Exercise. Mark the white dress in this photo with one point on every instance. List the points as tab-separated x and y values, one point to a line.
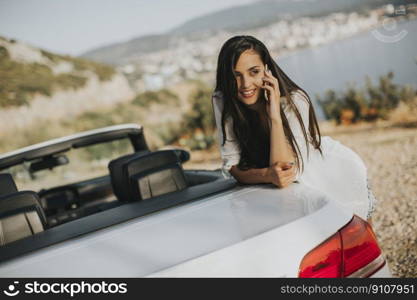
340	172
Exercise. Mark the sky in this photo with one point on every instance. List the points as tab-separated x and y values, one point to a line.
75	26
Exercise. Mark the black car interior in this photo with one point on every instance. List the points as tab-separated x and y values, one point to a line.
7	184
21	214
140	176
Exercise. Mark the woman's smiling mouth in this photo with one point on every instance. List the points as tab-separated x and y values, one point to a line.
248	93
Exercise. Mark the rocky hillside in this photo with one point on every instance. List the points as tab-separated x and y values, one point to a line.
38	85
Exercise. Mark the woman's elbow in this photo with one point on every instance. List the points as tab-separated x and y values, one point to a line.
238	175
234	171
250	176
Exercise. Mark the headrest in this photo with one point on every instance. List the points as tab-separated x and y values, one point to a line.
145	175
7	184
117	179
21	202
21	216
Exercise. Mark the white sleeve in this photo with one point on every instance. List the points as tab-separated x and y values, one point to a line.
230	151
303	108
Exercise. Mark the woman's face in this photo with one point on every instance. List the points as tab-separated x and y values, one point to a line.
249	72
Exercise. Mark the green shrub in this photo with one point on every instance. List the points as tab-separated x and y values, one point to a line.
70	81
199	121
163	96
19	81
104	72
198	141
90	120
367	104
201	114
169	132
52	57
196	129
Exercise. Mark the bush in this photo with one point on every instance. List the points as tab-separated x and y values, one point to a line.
201	114
169	132
196	129
163	96
70	81
367	104
199	121
104	72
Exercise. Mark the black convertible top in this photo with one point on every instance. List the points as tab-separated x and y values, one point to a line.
132	131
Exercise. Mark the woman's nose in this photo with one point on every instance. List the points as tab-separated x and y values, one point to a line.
246	82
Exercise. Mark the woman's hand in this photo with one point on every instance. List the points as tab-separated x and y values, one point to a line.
271	85
281	174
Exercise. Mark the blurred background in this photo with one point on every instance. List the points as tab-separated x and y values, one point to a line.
69	66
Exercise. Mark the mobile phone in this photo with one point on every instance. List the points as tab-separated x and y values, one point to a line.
266	92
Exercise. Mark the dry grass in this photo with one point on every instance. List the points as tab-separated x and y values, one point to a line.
404	113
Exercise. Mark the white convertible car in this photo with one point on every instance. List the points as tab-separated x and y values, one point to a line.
145	215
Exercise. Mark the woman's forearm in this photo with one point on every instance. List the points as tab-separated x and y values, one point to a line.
280	149
251	176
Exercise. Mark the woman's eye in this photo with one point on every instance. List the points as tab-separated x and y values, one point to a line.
254	72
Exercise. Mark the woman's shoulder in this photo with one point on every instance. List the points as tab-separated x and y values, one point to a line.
298	95
299	98
218	104
217	99
217	95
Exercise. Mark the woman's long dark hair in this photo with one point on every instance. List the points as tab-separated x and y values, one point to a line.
253	140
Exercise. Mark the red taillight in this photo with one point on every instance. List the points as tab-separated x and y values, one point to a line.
352	249
324	260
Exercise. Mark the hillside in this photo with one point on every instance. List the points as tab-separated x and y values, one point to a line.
36	85
244	17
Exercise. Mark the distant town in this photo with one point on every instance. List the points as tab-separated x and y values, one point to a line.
196	59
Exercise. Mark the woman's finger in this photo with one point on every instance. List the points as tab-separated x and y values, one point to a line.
271	81
269	88
284	177
272	77
290	171
283	172
289	176
287	182
278	181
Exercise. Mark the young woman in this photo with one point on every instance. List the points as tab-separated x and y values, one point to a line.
268	132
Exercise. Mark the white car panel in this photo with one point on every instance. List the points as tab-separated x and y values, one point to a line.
250	231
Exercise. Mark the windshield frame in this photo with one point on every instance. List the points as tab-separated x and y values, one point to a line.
87	138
